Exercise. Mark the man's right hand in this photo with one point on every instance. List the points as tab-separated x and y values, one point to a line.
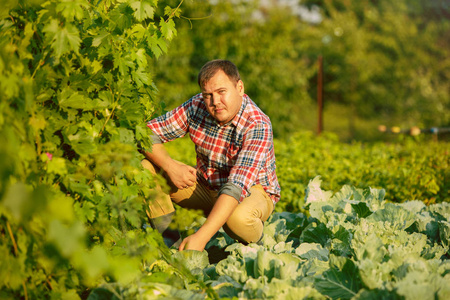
182	175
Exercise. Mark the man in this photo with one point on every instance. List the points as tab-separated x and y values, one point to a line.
234	182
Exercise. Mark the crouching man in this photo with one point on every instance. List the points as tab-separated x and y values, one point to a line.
234	181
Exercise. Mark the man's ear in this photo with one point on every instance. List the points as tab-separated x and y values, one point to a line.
240	87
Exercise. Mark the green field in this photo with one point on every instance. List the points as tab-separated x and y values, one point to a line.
407	169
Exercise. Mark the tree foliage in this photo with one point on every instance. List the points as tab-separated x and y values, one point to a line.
76	88
384	62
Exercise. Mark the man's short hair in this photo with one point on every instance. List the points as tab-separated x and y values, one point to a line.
211	68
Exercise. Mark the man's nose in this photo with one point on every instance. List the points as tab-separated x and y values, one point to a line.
214	99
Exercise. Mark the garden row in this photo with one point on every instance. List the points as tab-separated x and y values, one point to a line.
406	170
354	245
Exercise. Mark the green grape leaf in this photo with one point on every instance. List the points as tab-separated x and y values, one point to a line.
82	142
123	63
143	9
98	39
72	99
68	238
57	165
71	9
155	46
168	29
64	39
122	17
88	210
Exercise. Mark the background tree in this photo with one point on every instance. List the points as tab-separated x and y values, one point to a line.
384	63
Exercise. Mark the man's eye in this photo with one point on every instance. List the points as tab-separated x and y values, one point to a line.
222	91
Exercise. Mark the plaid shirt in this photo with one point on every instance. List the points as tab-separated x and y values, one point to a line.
238	154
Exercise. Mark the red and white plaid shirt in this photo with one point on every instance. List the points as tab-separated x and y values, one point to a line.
237	155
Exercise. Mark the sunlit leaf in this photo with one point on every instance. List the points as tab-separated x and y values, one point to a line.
168	29
64	39
192	259
314	193
143	9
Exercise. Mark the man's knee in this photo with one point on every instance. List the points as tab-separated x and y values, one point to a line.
146	164
244	226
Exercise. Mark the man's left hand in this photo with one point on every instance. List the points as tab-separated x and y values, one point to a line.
222	210
193	242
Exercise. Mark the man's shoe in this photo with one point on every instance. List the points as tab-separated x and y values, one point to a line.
171	237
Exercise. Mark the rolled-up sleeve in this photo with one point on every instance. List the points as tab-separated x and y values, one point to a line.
172	125
256	145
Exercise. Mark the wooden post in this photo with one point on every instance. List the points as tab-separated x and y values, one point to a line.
319	96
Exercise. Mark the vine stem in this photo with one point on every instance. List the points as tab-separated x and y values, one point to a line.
16	250
199	18
174	11
16	253
47	279
25	290
106	122
41	61
112	111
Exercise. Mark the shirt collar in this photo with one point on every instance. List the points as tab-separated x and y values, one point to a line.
238	116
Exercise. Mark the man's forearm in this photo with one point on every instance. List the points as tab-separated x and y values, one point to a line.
222	210
159	157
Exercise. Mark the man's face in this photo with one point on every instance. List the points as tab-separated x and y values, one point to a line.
223	98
